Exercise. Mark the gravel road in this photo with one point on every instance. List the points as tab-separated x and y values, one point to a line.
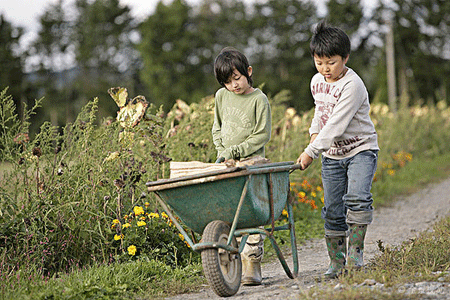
392	225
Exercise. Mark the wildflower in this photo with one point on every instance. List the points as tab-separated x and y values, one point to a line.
313	194
181	236
146	204
391	172
301	194
164	215
154	215
141	223
138	210
112	156
284	213
126	225
319	188
115	221
142	218
132	250
118	237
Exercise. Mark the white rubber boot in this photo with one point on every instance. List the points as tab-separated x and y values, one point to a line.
251	257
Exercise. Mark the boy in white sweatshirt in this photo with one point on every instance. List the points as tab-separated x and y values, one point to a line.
344	134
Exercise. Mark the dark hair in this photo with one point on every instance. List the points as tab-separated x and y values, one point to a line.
228	60
329	41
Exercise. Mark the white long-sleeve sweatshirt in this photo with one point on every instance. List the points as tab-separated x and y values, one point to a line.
341	118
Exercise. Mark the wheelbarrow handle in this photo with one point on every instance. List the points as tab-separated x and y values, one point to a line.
295	167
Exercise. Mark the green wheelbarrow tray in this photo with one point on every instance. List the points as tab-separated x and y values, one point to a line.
202	198
245	198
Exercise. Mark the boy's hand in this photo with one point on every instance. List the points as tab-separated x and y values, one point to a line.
304	160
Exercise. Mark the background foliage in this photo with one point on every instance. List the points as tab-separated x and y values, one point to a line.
169	54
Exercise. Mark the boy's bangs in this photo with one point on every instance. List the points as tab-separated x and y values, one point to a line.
224	72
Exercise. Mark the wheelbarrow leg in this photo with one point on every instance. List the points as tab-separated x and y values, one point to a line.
293	237
291	227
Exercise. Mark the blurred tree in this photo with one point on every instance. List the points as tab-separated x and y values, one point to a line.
81	56
422	41
280	41
105	35
54	61
363	28
172	55
11	61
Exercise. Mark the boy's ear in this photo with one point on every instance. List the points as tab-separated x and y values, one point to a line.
346	59
250	71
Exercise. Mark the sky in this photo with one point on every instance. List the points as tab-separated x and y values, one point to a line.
25	13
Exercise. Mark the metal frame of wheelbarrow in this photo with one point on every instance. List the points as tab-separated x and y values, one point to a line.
244	233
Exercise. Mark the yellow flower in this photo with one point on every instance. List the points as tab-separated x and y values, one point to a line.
391	172
126	225
164	215
313	194
154	215
147	204
284	213
115	221
319	188
141	223
132	250
142	218
118	237
302	194
181	236
138	210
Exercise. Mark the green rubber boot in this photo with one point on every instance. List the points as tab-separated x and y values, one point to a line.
337	249
357	234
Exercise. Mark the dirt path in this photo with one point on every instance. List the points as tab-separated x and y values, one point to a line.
392	225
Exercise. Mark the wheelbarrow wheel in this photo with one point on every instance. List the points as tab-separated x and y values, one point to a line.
222	269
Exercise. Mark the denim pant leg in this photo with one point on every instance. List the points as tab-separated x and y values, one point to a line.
347	184
358	199
334	180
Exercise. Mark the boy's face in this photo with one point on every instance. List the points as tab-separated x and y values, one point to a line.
238	83
332	68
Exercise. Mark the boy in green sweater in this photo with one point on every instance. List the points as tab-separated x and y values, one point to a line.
242	126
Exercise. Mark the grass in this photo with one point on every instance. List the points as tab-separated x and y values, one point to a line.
414	176
424	258
133	280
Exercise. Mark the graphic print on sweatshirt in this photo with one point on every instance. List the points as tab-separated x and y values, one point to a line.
235	123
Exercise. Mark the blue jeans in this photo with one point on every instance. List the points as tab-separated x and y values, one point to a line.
346	185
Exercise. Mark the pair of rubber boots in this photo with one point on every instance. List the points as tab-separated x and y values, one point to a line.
337	250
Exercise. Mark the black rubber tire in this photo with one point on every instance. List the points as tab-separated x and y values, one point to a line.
222	269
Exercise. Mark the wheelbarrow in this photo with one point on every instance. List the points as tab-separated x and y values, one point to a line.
224	205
